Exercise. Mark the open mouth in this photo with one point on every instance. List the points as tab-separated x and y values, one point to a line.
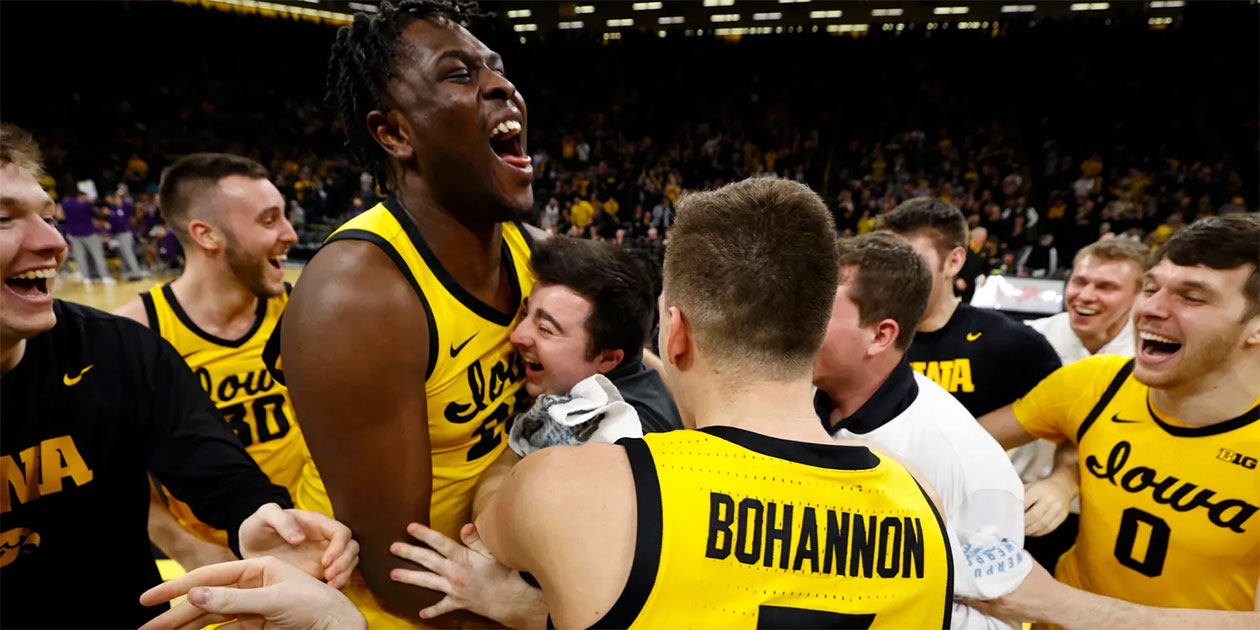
1157	347
1085	312
277	261
532	368
33	284
505	141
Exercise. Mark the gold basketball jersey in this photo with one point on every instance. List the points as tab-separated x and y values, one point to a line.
1168	511
252	403
475	382
740	530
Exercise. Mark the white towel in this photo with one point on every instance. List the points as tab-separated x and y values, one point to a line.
592	411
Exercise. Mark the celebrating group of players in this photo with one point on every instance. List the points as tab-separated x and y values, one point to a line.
811	453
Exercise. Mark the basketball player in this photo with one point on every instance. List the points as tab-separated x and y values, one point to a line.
395	342
1168	440
755	513
985	359
90	402
868	392
1106	276
218	315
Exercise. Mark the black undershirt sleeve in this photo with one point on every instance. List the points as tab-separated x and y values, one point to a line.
193	452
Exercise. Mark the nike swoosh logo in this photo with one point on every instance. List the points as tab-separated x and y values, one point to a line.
973	336
1116	418
456	349
75	381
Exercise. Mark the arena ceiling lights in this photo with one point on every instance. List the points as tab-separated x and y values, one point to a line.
1090	6
1018	8
647	6
617	23
767	17
1167	4
719	3
951	10
833	14
886	12
569	26
724	17
584	8
670	19
517	14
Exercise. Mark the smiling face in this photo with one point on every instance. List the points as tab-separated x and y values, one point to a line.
1100	295
31	250
554	341
458	122
1189	321
257	234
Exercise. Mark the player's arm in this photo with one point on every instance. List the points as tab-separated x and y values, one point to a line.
176	542
492	480
165	531
1002	425
1042	599
191	450
557	506
355	355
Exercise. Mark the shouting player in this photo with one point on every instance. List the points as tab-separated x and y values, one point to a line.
1168	440
218	315
395	345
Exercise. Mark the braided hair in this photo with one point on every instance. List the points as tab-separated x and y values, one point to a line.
362	62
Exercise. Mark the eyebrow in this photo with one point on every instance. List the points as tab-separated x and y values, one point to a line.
14	201
541	314
493	59
1183	284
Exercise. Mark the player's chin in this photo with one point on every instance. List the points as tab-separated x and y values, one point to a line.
26	322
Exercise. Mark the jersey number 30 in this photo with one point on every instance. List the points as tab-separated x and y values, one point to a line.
243	421
1152	562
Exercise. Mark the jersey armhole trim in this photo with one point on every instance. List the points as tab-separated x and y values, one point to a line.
647	544
526	236
949	557
1112	388
150	311
388	248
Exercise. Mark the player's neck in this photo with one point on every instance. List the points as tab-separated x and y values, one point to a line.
849	394
781	409
1213	397
468	248
11	355
1095	342
215	300
939	311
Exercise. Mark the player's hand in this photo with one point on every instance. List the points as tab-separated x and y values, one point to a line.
260	593
1027	601
312	542
1046	504
470	576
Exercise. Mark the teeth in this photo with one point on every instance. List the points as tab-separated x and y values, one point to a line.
1153	337
36	274
1086	311
281	257
506	127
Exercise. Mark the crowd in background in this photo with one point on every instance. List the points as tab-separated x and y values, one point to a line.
1117	131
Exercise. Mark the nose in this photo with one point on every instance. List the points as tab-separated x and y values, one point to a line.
497	87
519	337
288	235
1154	306
44	240
1087	292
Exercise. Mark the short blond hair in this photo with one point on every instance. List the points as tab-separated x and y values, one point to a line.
19	148
1116	250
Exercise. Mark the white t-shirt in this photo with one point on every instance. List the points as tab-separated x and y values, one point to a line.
983	498
1035	460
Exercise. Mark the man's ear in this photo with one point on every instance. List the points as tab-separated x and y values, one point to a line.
205	235
678	349
886	333
392	132
608	360
954	262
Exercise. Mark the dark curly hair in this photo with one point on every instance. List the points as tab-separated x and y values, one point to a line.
362	62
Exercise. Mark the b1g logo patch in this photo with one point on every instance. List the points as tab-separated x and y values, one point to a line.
1233	457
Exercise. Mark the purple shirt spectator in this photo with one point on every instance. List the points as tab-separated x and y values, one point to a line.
168	246
120	218
79	214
